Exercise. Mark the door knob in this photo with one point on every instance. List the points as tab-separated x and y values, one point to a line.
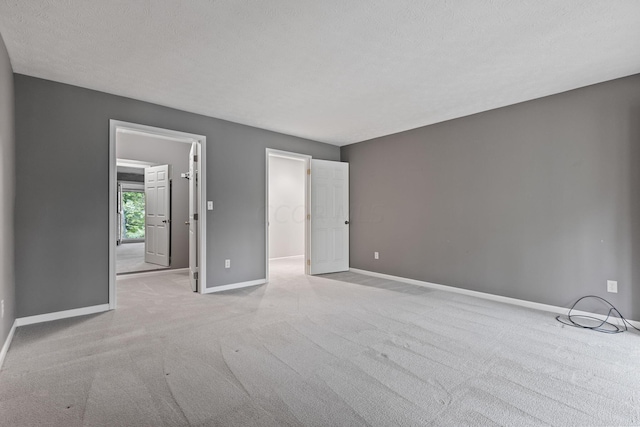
166	221
346	222
187	223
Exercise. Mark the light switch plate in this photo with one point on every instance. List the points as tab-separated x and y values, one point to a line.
209	205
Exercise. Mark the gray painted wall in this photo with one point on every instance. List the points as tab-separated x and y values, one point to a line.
162	151
7	187
62	252
286	207
538	201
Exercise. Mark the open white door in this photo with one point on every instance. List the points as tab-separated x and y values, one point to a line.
329	217
193	217
157	214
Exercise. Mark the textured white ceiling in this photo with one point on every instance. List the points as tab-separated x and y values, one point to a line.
338	71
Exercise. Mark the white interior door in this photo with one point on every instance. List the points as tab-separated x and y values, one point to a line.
193	216
157	214
329	217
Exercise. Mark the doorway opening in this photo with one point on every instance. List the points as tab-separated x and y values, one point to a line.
157	190
325	214
287	216
131	201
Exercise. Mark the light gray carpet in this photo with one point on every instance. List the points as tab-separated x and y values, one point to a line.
130	259
343	349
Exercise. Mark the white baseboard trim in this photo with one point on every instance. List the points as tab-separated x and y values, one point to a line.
7	343
492	297
151	273
235	286
48	317
285	257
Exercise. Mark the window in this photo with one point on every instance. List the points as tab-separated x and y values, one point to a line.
133	215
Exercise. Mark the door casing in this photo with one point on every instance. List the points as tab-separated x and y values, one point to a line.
193	215
125	187
201	140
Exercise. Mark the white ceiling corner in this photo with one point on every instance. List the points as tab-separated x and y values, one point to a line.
334	71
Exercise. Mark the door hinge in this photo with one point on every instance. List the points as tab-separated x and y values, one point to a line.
195	158
195	216
308	262
195	275
308	171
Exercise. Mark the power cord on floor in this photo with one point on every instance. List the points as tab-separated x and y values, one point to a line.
603	326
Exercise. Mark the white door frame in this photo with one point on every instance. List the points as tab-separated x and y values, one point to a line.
114	126
270	152
135	164
194	198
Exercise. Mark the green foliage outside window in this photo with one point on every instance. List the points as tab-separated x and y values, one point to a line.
133	210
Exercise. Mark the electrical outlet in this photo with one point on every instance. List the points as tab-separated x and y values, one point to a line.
612	286
227	263
376	255
2	309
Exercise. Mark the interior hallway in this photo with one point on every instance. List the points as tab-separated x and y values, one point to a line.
342	349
